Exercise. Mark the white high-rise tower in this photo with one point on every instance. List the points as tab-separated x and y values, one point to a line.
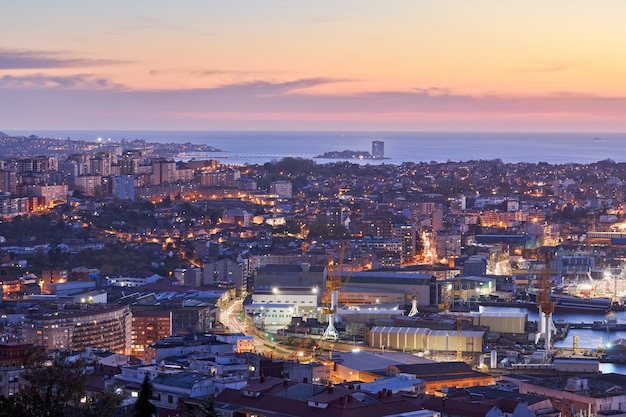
378	149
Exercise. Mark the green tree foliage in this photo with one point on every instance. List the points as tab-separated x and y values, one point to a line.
143	406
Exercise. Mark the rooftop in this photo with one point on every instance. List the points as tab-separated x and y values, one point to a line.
593	385
373	361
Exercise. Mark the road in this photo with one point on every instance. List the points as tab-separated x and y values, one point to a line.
229	317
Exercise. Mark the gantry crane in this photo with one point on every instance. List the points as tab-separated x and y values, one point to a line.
333	285
545	302
456	287
413	311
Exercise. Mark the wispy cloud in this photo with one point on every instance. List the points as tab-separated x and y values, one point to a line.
200	72
434	91
233	76
90	100
76	81
545	67
262	87
11	59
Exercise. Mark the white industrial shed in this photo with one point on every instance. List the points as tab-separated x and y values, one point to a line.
422	339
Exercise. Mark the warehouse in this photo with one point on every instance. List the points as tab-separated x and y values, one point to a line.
399	338
422	339
447	341
501	322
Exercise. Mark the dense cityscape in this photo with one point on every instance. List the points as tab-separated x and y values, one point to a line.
292	286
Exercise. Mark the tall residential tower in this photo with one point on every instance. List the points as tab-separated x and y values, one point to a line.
378	149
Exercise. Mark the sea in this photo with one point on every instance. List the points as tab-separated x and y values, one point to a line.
258	147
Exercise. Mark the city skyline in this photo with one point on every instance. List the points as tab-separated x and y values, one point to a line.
374	65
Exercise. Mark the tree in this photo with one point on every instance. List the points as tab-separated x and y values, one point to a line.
143	407
53	390
104	404
13	407
205	409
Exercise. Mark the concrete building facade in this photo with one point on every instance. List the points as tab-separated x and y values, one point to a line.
81	327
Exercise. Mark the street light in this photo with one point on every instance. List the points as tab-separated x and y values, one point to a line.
275	291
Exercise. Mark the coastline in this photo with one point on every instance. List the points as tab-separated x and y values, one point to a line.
400	147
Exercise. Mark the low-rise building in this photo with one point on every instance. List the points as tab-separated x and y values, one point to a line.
289	398
366	366
439	376
196	343
13	357
583	396
170	384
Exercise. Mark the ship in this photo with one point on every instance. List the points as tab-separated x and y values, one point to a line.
610	325
570	303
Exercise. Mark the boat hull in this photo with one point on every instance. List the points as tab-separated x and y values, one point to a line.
568	303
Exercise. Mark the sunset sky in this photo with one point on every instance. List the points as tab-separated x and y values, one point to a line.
479	65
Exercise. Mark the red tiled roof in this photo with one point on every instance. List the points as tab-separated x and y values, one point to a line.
457	407
340	403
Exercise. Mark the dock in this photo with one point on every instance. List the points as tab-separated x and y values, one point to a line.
609	326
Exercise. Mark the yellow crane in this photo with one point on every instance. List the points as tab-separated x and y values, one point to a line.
459	338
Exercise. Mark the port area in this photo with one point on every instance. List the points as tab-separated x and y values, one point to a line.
562	328
533	306
607	325
569	353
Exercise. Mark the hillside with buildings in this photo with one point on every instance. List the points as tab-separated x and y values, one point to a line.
142	259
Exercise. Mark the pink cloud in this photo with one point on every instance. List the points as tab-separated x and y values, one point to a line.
90	101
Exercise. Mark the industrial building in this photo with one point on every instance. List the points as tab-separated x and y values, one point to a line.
305	301
303	275
440	376
421	339
421	286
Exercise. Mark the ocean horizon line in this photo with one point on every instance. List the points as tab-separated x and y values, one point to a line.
253	146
